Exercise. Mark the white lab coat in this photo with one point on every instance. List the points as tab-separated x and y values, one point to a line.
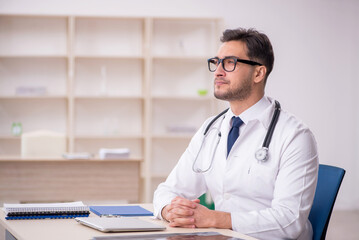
269	200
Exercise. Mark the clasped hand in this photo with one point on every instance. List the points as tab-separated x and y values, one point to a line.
187	213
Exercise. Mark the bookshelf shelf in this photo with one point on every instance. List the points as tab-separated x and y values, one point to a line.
185	136
108	56
108	97
182	98
8	137
95	159
17	97
34	56
115	137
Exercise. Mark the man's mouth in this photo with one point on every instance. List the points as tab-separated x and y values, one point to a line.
219	82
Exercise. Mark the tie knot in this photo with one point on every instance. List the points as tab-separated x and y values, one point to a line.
237	122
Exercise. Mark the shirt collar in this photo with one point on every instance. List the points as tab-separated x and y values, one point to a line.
261	111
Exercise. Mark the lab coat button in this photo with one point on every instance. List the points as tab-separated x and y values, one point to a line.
227	196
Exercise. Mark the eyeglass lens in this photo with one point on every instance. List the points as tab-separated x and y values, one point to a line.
228	64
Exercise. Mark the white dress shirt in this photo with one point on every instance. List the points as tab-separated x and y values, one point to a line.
267	200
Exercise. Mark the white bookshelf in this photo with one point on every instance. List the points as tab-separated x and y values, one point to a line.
109	82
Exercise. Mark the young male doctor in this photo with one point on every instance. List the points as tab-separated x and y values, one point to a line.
265	194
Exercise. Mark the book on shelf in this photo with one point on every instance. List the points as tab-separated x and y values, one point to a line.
45	210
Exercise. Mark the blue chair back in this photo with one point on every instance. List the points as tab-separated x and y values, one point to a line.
329	181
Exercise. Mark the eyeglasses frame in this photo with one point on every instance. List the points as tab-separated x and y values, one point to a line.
249	62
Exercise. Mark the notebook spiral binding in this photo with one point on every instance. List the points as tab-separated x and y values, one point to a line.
41	212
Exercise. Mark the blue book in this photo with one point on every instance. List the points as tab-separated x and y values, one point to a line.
125	211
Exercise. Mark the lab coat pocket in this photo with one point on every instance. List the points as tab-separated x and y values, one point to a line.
261	180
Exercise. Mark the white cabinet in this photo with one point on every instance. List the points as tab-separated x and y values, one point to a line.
113	82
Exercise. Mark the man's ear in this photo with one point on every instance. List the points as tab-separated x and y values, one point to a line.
260	74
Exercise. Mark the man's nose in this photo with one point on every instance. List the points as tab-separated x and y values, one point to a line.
220	70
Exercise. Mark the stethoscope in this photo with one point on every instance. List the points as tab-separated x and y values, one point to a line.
261	154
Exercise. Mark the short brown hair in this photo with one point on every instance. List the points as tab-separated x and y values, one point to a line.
259	48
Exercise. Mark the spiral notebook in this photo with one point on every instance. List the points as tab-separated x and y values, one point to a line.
45	210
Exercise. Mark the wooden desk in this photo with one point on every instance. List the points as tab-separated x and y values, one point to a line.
56	180
60	229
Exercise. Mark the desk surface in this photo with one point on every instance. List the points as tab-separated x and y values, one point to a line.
59	229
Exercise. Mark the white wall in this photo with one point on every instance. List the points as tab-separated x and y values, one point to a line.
316	68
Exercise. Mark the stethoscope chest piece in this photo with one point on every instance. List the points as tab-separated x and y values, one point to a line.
262	154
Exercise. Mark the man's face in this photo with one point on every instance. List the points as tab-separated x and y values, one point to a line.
236	85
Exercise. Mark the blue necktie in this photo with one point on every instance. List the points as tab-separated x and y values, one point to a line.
233	133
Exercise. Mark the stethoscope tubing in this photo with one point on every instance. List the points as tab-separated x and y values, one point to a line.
198	170
272	125
214	120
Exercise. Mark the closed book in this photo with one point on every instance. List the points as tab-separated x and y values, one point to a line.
125	211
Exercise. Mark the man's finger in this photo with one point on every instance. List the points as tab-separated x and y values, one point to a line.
182	211
183	202
181	222
182	226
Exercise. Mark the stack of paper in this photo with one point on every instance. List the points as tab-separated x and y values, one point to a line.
83	155
114	153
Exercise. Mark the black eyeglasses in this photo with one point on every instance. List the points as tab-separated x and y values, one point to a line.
228	63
